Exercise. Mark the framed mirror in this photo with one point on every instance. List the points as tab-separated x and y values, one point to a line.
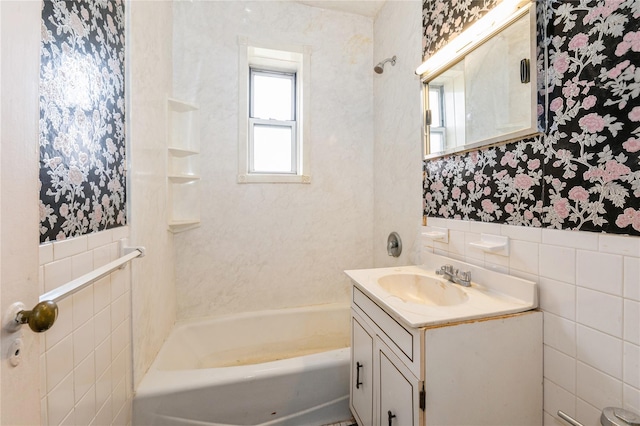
485	91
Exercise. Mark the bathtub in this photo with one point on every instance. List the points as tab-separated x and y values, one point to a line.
281	367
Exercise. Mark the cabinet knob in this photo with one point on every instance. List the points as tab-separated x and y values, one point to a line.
391	417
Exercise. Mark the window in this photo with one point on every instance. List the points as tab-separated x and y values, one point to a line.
273	128
437	131
272	122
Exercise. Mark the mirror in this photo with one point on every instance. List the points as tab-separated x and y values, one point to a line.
485	93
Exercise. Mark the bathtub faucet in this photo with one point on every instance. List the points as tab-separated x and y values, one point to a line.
455	276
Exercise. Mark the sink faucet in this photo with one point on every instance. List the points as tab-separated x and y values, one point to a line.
455	276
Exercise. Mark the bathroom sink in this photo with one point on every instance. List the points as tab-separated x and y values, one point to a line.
422	289
418	297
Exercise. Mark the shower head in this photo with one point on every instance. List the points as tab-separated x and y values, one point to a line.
380	67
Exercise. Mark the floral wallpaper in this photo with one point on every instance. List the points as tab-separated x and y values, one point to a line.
443	20
583	173
82	128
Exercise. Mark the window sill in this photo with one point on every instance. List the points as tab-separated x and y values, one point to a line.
273	178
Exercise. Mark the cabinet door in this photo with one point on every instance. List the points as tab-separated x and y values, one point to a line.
399	392
361	373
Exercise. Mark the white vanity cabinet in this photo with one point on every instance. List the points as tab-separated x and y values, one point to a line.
474	372
361	370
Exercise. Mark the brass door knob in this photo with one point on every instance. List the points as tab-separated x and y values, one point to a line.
41	317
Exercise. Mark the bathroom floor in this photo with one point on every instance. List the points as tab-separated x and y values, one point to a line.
350	422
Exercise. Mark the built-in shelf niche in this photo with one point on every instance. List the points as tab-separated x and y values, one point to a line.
183	165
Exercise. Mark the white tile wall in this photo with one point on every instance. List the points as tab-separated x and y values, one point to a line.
85	363
590	295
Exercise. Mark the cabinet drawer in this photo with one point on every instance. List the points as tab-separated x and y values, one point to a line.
397	335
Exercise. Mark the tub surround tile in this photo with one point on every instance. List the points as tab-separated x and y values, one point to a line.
600	311
632	278
557	398
57	273
46	253
70	247
632	321
589	294
59	364
523	256
77	355
558	263
558	298
64	324
587	413
485	228
560	334
105	414
600	271
101	256
82	302
85	409
83	343
523	233
98	239
631	398
600	351
60	401
84	378
573	239
249	251
560	369
120	233
101	293
619	244
597	388
632	365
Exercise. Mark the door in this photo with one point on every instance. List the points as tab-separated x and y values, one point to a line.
399	391
19	217
361	373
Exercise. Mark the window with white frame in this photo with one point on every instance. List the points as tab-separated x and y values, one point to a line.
437	131
272	122
273	146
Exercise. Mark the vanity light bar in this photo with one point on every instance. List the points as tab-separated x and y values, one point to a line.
484	28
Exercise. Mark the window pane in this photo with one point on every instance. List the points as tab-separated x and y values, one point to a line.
436	140
273	96
435	105
272	149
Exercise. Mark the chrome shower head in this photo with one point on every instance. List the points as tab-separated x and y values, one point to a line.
380	67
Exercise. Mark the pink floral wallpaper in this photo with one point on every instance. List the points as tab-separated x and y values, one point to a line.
583	173
82	128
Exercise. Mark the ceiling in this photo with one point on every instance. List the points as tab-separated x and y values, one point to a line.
368	8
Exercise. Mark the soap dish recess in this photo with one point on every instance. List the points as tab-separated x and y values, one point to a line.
436	233
494	244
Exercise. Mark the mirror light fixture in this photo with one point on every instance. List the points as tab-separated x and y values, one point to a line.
484	28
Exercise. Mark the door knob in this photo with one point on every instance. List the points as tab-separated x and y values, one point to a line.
40	318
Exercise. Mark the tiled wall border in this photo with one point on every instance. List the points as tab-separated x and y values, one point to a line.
590	295
85	359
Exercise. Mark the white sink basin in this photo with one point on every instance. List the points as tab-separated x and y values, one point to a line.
422	289
418	297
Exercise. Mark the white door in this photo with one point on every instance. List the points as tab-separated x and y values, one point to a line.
19	217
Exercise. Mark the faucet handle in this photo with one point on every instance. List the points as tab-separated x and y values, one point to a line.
447	268
464	275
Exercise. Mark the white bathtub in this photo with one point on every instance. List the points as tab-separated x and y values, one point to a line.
283	367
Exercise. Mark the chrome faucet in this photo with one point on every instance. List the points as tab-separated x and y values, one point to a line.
455	276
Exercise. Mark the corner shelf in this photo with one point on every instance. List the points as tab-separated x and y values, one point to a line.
183	165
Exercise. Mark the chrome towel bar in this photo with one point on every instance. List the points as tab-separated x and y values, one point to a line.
568	419
79	283
44	314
